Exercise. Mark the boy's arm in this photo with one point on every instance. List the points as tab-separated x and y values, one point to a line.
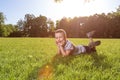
63	52
58	52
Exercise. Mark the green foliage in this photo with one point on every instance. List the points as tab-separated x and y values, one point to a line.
34	26
2	18
106	26
36	59
6	30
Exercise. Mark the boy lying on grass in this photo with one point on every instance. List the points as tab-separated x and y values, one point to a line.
66	47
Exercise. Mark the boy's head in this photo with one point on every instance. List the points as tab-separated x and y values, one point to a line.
60	36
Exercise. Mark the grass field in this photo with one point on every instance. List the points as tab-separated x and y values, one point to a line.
34	59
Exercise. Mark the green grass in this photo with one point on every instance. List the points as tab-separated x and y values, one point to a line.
35	59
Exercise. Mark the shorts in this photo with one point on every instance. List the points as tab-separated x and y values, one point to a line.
79	49
83	49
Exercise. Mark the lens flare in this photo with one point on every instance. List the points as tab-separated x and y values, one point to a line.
45	72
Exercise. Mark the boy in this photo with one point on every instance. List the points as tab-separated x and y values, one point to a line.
65	47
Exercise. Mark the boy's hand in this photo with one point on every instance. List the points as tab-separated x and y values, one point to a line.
60	43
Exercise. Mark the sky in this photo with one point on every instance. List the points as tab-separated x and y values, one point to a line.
15	10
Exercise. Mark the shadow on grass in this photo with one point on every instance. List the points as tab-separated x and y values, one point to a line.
100	60
45	72
34	74
41	73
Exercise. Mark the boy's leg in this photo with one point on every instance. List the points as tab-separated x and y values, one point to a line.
89	50
92	44
90	34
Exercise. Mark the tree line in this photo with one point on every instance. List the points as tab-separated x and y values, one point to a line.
105	26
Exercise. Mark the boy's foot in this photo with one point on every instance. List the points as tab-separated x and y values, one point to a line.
93	44
90	34
97	43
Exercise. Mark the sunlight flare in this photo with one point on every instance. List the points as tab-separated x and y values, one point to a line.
76	8
45	72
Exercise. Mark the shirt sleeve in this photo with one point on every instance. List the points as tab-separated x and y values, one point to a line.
69	46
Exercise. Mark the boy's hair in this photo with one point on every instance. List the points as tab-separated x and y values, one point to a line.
61	31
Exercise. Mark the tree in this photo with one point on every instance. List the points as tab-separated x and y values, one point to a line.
51	28
63	24
20	25
1	23
35	26
39	27
1	30
2	18
6	30
27	23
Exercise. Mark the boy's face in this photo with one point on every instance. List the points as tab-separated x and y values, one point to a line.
60	38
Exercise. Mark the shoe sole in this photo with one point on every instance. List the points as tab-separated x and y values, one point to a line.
97	43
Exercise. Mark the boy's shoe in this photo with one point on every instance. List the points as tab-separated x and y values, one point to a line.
90	34
94	44
97	43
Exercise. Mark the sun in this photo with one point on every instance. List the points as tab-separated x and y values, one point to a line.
76	8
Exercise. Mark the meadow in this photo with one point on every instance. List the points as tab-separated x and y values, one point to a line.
36	59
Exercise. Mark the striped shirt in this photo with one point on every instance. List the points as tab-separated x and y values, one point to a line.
76	49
